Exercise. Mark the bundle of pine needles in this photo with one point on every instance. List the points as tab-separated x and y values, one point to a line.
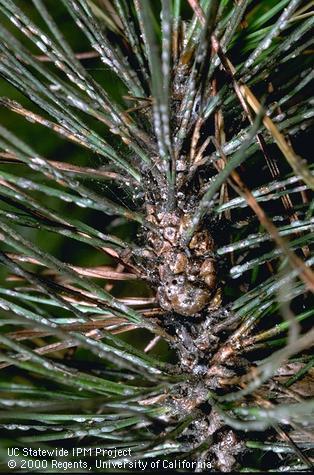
157	278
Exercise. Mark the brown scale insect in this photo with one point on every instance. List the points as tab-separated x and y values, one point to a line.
187	277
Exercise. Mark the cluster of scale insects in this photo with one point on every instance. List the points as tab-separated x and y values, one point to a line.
186	281
188	290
